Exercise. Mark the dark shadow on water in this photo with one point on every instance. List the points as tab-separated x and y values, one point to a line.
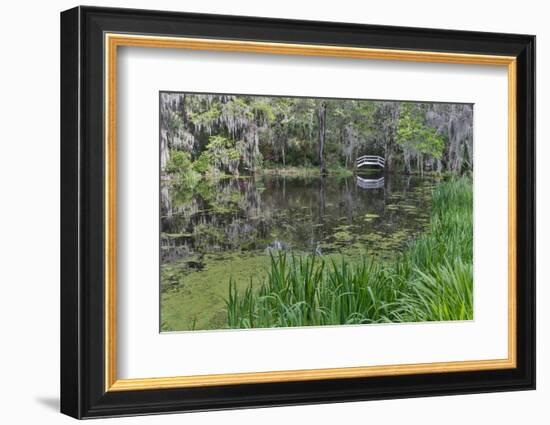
49	402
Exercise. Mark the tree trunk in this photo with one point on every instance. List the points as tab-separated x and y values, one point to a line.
322	131
388	156
439	166
407	161
164	150
390	127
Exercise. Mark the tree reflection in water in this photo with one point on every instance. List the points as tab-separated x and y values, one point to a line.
318	214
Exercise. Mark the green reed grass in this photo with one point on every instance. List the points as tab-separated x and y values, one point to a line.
432	280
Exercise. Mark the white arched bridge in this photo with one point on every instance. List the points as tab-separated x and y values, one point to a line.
370	160
366	183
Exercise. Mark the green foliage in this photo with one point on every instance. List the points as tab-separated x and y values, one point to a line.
179	161
263	110
285	130
218	145
239	107
221	154
181	168
431	281
202	164
415	135
205	118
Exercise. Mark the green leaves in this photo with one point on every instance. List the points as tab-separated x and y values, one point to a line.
415	135
206	118
220	154
178	161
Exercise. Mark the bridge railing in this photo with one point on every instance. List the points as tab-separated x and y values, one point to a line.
370	183
370	160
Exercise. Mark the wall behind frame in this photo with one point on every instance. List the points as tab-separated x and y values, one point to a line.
29	217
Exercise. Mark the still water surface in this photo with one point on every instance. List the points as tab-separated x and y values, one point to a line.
321	215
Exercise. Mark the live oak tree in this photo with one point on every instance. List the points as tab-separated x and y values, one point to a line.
234	134
417	140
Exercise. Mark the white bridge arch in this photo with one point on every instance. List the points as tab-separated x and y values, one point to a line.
370	160
375	160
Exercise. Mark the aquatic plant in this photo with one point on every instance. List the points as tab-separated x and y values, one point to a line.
432	280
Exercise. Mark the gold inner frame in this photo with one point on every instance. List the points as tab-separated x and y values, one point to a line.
113	41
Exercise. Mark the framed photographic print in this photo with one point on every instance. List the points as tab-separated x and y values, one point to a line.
261	212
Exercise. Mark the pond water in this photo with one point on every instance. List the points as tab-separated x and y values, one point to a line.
228	229
321	215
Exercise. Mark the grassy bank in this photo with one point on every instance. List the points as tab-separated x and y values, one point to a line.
431	281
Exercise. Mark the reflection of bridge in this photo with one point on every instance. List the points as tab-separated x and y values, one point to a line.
364	183
370	160
370	183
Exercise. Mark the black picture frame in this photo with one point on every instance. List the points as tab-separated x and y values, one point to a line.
83	392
